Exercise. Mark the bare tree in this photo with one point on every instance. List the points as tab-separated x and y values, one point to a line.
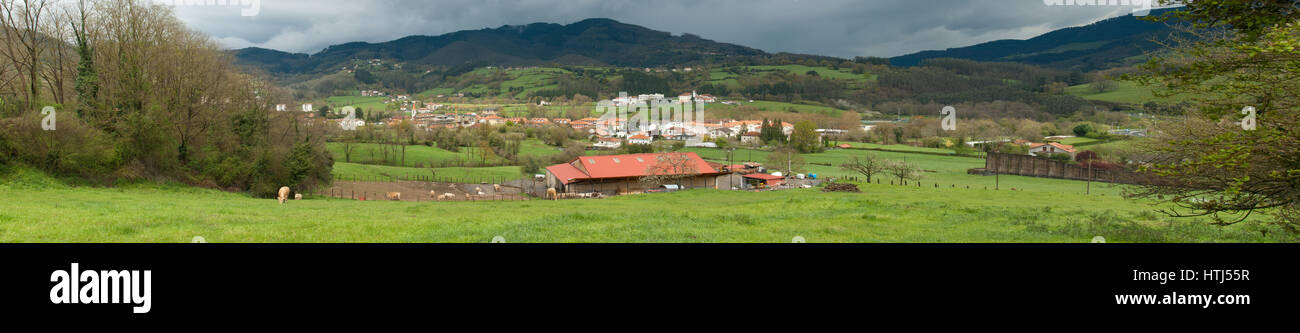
21	22
868	165
670	168
786	159
903	171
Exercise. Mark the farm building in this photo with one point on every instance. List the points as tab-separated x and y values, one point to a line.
621	174
764	180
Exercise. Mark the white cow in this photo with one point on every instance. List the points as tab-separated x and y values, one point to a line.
284	194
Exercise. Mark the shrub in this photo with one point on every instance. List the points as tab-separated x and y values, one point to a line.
934	142
1083	129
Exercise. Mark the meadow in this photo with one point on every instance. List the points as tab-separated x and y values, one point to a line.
423	156
1126	92
41	209
964	209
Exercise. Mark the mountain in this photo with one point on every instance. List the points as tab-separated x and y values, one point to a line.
589	42
1114	42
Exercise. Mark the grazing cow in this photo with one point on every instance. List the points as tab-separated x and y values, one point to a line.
434	195
394	196
550	194
284	194
496	187
449	196
478	190
468	197
297	196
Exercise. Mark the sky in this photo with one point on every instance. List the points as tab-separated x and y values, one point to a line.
840	28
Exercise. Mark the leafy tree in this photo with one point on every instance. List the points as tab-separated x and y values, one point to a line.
1213	163
805	138
1082	130
364	76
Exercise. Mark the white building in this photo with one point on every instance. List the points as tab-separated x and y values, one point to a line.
640	139
608	143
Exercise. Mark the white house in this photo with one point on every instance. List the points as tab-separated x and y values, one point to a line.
608	143
308	108
1047	149
281	107
640	139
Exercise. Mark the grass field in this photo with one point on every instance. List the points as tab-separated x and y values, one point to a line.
782	106
1041	210
168	213
365	103
354	171
419	155
947	171
1127	92
824	72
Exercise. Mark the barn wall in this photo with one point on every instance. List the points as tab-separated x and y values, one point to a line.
614	187
1030	166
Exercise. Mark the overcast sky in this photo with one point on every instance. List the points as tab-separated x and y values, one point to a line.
842	28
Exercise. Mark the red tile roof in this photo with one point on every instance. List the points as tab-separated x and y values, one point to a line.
618	166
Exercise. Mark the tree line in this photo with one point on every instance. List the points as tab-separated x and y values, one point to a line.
138	96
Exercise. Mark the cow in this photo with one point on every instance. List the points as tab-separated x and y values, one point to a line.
394	196
496	187
284	194
478	190
434	194
550	194
297	196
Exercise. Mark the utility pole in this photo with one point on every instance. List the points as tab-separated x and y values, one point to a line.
1089	177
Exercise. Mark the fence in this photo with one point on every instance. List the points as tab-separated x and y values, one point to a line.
422	178
894	181
1030	166
416	197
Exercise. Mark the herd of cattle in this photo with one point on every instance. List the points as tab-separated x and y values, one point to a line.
551	194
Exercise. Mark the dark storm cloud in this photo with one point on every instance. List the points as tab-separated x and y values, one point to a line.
842	28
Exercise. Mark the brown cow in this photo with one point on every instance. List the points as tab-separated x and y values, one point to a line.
551	194
394	196
497	188
284	194
297	196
